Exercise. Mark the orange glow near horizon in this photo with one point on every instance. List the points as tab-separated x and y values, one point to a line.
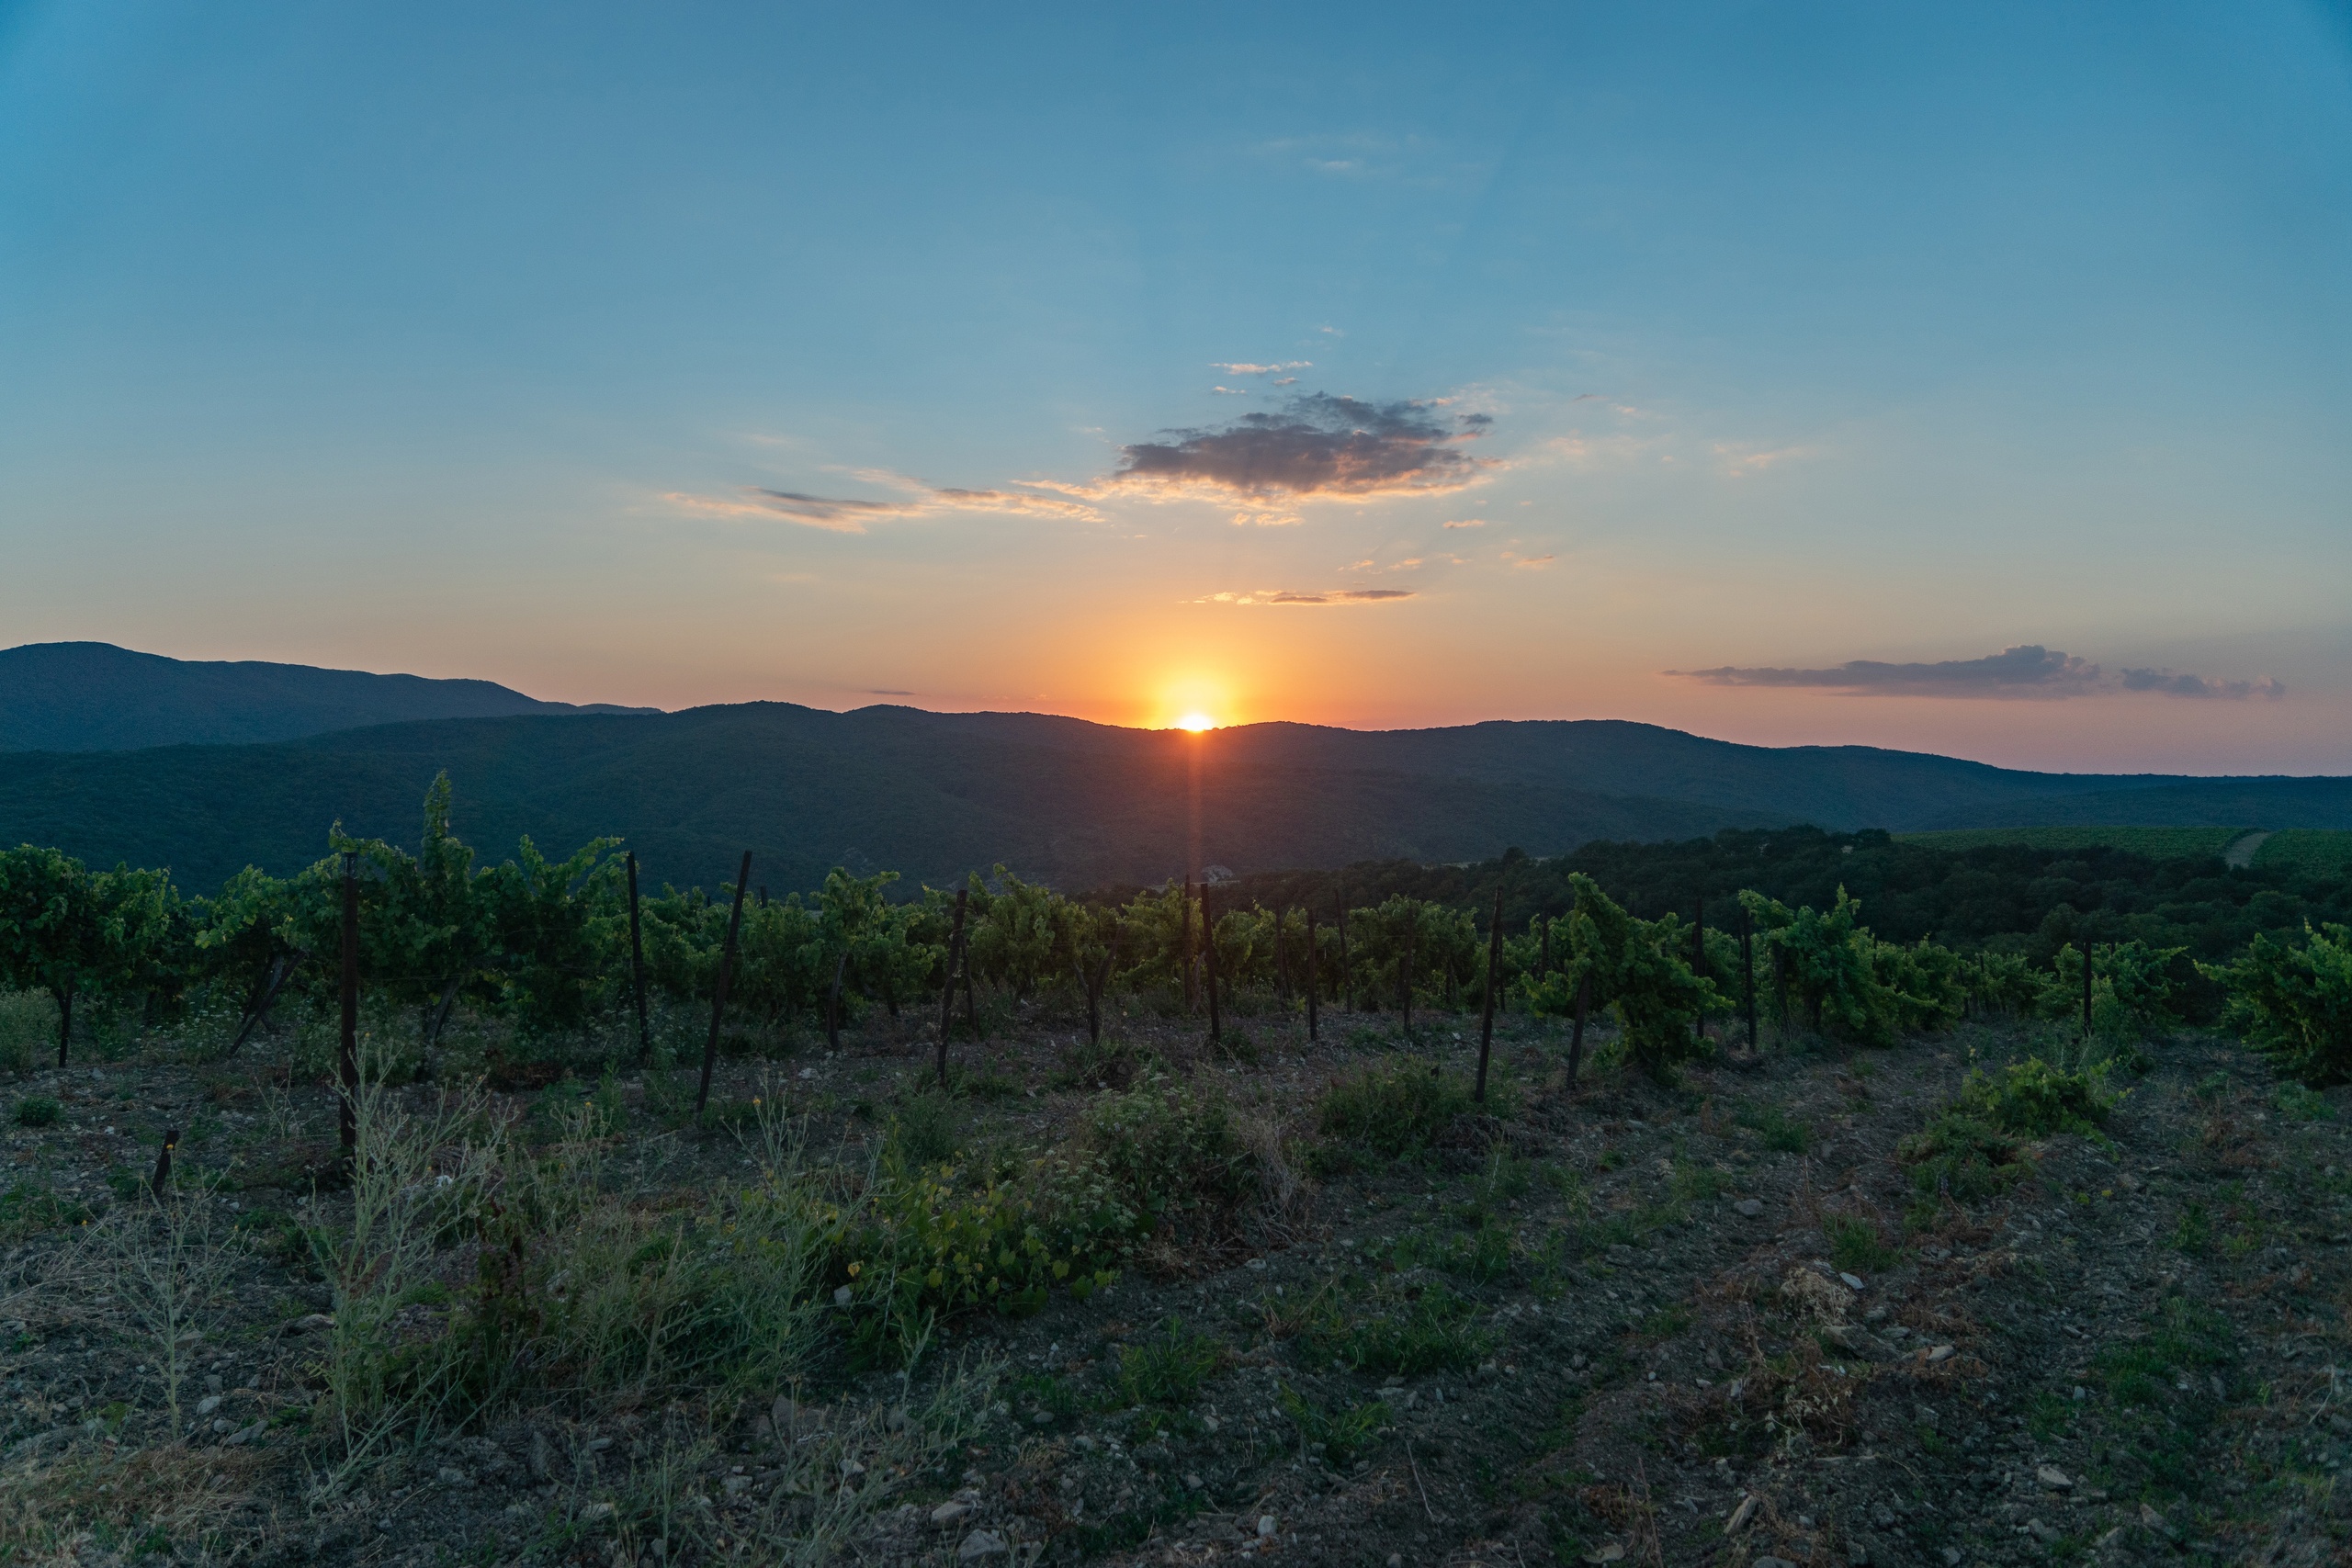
1195	722
1194	703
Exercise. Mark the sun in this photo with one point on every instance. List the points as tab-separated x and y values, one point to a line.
1195	722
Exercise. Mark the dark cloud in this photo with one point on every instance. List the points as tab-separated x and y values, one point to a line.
1317	446
849	516
2027	671
2176	684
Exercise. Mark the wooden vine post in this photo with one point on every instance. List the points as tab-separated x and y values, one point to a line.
1208	961
1747	975
1312	954
347	1051
947	991
637	966
1493	973
719	992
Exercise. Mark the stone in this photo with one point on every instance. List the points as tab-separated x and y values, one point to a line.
953	1512
597	1513
2052	1477
980	1545
1852	1282
1741	1515
1942	1353
450	1475
207	1405
843	1296
1748	1208
1771	1563
241	1438
1265	1526
1607	1551
310	1322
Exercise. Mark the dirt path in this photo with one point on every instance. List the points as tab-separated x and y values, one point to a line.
2242	849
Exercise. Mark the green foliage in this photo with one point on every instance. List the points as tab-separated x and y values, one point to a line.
1639	969
27	1020
1855	1245
2136	989
1829	973
2293	1002
1782	1133
1404	1329
2033	1099
37	1110
1337	1436
2306	852
1961	1157
1170	1153
1170	1367
2156	843
69	930
1395	1107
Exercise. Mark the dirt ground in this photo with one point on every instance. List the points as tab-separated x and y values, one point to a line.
1711	1323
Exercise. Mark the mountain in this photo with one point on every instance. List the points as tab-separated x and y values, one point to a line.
94	697
1072	803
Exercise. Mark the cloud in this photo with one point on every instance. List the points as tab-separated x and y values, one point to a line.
1243	367
2174	683
1318	447
886	692
2028	671
1529	563
1286	381
845	515
1331	596
1465	523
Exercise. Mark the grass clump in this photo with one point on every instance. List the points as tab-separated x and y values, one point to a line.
2033	1099
1961	1157
1780	1131
1855	1246
1169	1368
2169	1389
1394	1108
1407	1331
37	1110
1337	1436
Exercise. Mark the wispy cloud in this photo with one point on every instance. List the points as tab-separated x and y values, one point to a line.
1332	596
1528	563
1243	367
2028	671
1465	523
850	514
1318	447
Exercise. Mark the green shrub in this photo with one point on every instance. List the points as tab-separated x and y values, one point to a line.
28	1029
1782	1133
2033	1099
1395	1107
1170	1367
2293	1002
1171	1154
1959	1156
926	1130
1396	1329
1855	1246
37	1110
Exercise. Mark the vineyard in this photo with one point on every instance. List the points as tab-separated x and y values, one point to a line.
1646	1205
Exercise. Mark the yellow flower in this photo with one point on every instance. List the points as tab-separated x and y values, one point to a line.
855	1269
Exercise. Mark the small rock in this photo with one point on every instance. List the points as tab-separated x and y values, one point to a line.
537	1458
1607	1551
737	1485
308	1322
1265	1526
1748	1208
222	1424
1857	1553
1192	1480
2057	1480
851	1469
1741	1515
245	1434
1256	1263
981	1544
598	1445
950	1513
597	1513
207	1405
1771	1563
1942	1353
896	1420
2154	1520
1851	1282
842	1296
450	1475
2041	1531
1396	1559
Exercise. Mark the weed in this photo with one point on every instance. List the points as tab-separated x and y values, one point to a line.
1170	1367
1337	1436
1103	1064
2033	1099
2298	1103
1962	1159
1396	1330
1781	1133
1692	1182
925	1129
37	1110
1855	1246
1394	1108
2193	1233
164	1260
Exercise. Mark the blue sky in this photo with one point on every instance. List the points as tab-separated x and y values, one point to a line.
704	353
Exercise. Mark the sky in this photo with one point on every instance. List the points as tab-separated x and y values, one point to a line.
1974	379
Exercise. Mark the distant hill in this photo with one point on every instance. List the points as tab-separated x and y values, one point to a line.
94	697
1073	803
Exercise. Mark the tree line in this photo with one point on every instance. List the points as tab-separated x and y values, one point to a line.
553	948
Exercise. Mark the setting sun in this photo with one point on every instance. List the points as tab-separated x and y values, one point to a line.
1195	722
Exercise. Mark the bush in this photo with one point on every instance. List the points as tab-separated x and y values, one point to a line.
2293	1002
27	1028
1394	1108
1961	1157
1337	1436
2033	1099
1170	1153
1855	1246
37	1110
